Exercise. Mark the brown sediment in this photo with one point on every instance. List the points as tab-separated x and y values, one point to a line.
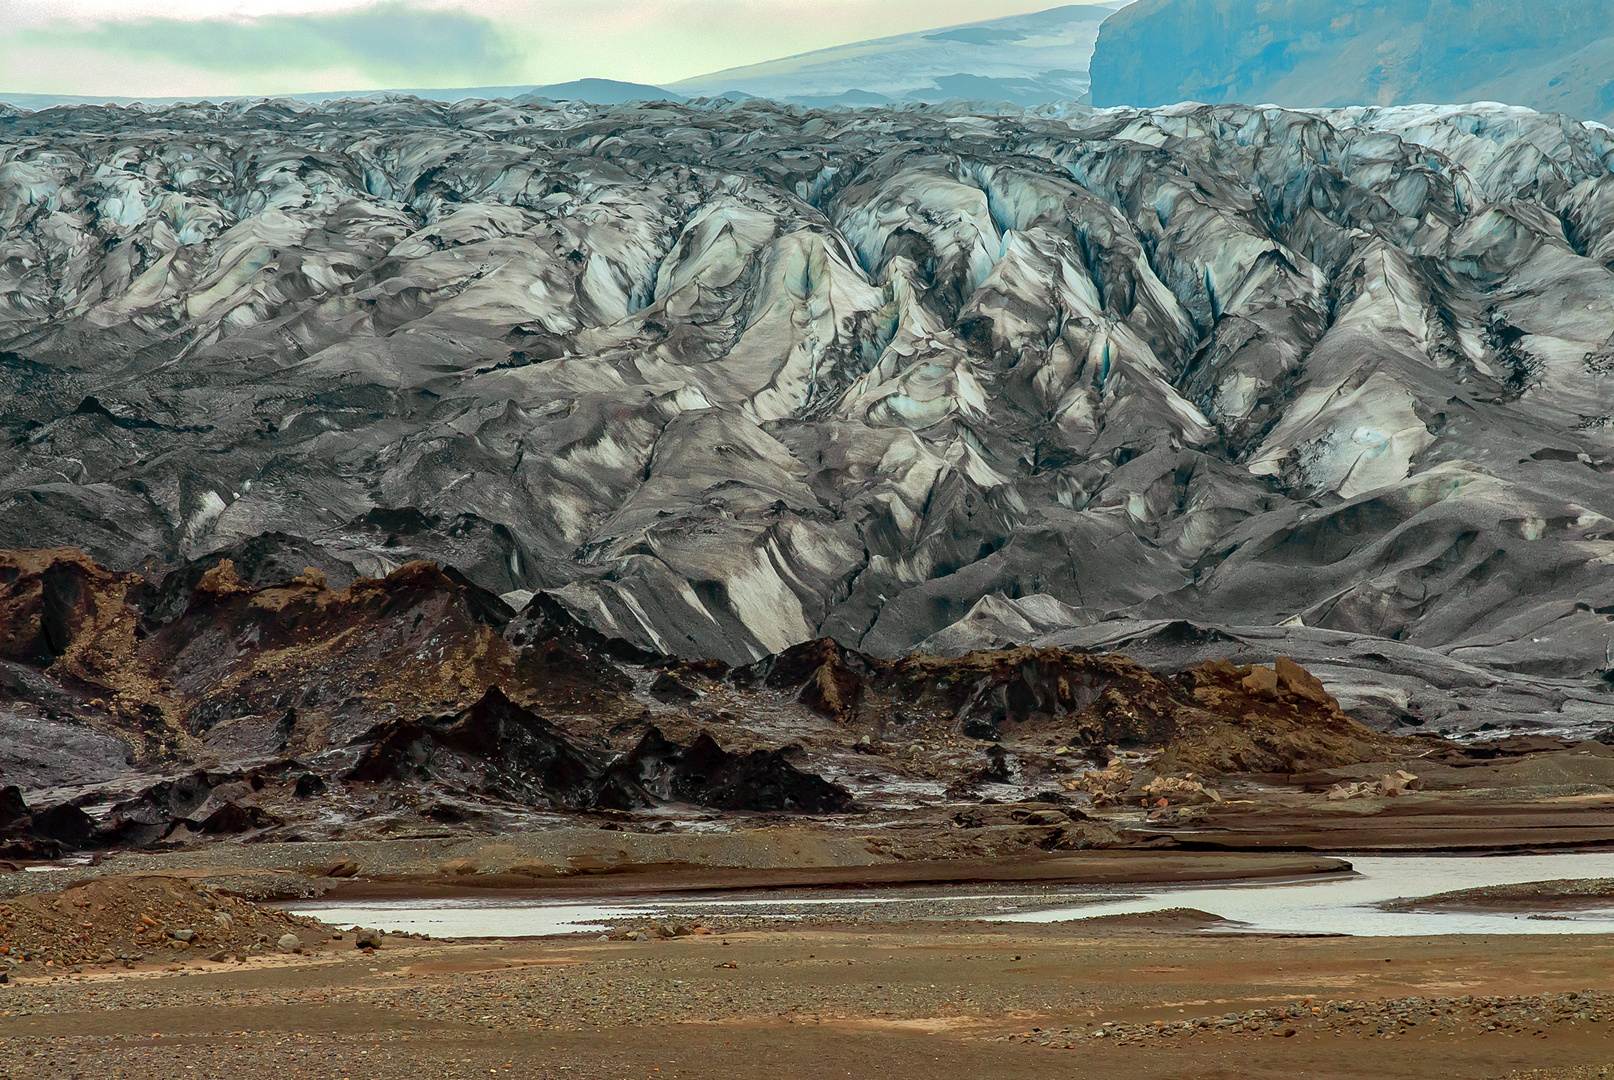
1178	920
1427	822
1087	868
1565	894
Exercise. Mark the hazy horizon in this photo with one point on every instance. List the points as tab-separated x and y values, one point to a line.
251	47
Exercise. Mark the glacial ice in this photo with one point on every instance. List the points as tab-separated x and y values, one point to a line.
723	377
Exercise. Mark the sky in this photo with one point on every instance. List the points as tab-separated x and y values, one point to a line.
216	48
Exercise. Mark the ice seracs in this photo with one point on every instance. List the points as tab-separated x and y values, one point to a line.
721	378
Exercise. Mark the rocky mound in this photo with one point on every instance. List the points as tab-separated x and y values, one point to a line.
1562	894
126	919
1213	718
404	704
194	805
216	657
45	834
1258	719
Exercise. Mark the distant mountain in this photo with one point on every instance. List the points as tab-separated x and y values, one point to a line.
1555	55
598	92
35	102
593	91
1023	60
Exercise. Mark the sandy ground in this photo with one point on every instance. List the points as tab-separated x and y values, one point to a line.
931	1000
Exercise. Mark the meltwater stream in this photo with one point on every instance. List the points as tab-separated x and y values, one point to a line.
1334	904
1348	903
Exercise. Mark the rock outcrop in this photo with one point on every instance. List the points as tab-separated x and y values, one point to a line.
494	748
705	774
1214	717
419	701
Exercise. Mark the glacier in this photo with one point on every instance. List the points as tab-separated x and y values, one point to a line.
722	377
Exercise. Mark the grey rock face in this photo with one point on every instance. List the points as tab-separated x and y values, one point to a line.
1555	56
721	380
36	751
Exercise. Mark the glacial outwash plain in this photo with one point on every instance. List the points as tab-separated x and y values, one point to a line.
802	558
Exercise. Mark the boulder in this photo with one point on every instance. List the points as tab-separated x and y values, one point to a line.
1297	680
1261	680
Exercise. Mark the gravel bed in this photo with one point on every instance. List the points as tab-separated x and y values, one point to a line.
1389	1019
804	910
650	982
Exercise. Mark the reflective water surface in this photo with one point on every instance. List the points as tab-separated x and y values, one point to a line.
1337	904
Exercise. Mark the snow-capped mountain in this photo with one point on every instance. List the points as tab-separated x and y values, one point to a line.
1024	60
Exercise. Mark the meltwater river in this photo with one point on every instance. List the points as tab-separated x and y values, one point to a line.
1331	904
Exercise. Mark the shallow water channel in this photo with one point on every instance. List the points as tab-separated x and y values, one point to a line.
1332	904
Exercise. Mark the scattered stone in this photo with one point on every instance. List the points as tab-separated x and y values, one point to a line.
1170	790
1106	787
1361	1019
1397	783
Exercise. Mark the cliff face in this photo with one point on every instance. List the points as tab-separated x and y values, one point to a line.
1555	56
722	380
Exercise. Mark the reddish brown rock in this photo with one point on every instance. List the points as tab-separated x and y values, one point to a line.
1297	680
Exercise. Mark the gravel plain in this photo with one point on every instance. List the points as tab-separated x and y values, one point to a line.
1139	998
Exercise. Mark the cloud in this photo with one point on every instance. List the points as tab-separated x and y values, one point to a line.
226	48
393	42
